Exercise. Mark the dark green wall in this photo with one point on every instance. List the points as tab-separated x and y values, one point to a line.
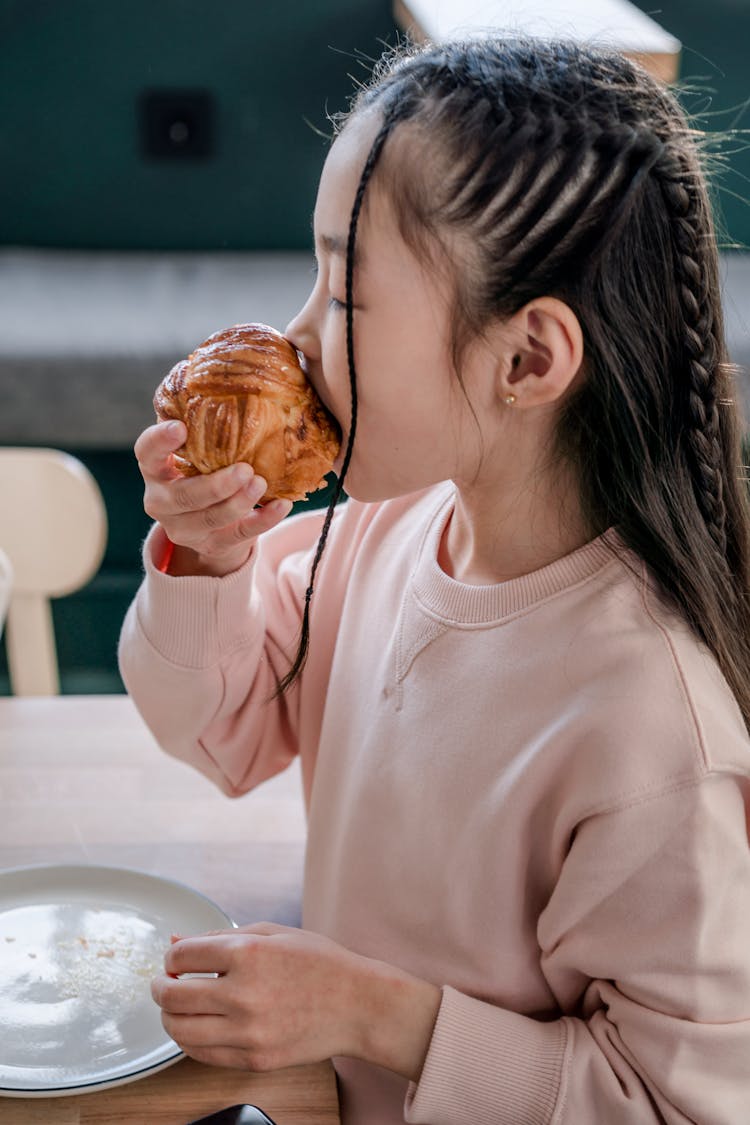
715	41
72	70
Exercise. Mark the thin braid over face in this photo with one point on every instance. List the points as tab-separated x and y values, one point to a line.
304	640
351	242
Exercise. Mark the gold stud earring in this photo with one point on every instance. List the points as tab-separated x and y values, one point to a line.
510	399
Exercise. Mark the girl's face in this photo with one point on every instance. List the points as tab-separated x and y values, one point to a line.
414	424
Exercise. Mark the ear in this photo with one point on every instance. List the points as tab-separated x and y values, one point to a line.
543	353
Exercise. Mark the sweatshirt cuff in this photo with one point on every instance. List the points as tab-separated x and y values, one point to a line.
487	1064
196	620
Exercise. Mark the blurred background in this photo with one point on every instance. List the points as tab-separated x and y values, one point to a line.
159	169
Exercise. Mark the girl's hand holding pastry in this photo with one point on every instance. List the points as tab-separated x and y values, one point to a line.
241	425
212	518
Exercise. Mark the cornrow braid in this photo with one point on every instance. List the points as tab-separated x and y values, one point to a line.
369	166
630	153
546	185
537	128
691	272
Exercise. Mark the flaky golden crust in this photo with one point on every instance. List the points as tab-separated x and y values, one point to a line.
244	397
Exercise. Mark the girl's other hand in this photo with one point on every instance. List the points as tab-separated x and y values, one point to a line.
212	519
285	997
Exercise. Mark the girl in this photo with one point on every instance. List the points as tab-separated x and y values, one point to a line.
522	721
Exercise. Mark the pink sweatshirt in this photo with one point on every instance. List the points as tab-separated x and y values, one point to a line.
530	794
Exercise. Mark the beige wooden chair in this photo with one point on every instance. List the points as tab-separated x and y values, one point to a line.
53	528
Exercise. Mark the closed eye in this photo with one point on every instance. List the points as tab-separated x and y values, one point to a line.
333	302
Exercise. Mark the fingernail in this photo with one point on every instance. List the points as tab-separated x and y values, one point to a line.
242	473
280	507
174	428
256	487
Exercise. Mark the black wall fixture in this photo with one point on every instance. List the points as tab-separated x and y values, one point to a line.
176	124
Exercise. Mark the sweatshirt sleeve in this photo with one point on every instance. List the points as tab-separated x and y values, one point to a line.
645	943
200	656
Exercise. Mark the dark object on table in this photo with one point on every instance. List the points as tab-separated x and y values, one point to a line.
236	1115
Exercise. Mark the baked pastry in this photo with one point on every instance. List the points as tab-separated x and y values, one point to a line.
244	397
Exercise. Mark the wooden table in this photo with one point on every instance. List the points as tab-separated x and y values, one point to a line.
82	781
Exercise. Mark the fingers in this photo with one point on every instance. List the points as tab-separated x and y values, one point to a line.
209	490
222	528
155	446
269	1005
192	1032
176	495
233	1057
204	954
267	929
219	1041
194	996
214	515
211	513
255	523
205	947
250	928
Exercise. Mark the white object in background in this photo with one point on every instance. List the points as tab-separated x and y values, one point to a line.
53	527
615	24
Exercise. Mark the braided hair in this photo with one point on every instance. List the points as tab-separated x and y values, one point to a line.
567	171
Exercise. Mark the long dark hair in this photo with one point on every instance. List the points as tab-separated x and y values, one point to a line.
570	172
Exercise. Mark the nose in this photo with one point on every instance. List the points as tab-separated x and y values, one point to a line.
300	331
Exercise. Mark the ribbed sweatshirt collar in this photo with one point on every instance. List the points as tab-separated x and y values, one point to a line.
461	603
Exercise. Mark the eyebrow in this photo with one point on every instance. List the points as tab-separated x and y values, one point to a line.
336	244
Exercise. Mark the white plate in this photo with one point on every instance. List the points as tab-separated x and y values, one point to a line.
78	948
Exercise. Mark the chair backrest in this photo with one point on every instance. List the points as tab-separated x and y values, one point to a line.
53	527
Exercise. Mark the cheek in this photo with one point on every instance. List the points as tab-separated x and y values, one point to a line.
339	395
336	374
